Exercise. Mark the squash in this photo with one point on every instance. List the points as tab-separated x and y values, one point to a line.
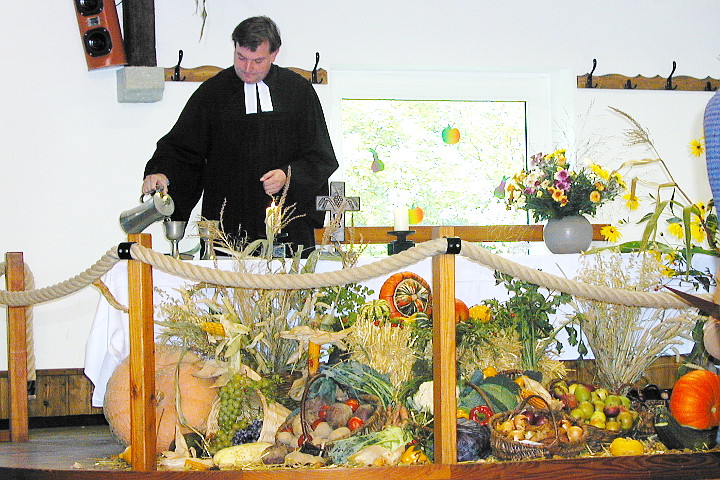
407	293
695	400
675	436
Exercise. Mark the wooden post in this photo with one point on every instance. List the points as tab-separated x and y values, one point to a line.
17	350
444	376
143	435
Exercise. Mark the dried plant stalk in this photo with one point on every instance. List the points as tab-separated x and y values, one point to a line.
626	340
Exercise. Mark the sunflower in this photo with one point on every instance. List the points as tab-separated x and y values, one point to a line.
611	233
696	146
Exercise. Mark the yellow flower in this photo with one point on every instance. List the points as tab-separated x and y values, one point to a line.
557	194
633	202
611	233
595	196
697	232
676	230
696	146
599	186
481	313
701	207
668	272
599	171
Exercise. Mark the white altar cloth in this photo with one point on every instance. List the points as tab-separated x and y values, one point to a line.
108	342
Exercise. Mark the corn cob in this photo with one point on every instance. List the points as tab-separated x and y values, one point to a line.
213	328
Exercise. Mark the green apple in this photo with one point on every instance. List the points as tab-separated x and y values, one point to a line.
602	393
625	401
599	406
598	415
597	422
582	393
626	419
612	425
586	408
613	400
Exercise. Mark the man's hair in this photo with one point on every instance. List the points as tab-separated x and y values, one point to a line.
250	33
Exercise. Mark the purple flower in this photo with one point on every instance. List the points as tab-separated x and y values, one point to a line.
562	175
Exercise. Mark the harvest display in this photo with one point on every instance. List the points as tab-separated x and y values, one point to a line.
340	376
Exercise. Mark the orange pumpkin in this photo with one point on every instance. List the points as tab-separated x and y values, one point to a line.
695	400
462	312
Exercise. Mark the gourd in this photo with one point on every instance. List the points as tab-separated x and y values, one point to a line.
675	436
695	400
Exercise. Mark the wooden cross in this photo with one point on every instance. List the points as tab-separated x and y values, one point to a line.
337	204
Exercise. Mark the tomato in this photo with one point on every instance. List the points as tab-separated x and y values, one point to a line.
316	423
322	413
352	403
354	423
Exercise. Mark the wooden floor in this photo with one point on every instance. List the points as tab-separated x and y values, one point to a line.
77	452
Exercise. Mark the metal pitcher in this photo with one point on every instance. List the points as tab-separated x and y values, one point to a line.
155	208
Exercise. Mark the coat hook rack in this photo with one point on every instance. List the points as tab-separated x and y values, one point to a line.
669	82
589	81
638	82
176	69
314	74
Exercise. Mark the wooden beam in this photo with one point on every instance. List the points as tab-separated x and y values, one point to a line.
200	74
142	360
639	82
443	345
17	350
484	233
139	32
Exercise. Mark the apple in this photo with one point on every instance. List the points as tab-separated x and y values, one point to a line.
625	401
462	312
415	215
613	400
597	422
586	408
611	410
451	135
582	393
569	400
626	419
602	393
612	426
598	415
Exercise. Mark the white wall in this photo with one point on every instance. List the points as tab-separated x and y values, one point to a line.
73	157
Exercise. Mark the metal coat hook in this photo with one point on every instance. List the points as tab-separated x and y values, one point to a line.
588	82
629	85
176	73
668	83
709	87
314	75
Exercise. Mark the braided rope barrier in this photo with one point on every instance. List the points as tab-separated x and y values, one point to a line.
62	289
29	332
376	269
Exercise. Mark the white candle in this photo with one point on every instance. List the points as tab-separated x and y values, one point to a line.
402	219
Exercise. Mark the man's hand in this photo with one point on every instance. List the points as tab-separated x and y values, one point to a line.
154	182
273	181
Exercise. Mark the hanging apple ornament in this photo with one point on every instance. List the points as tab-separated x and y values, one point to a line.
451	135
415	215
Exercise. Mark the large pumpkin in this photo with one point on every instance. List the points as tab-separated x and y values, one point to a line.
196	396
695	400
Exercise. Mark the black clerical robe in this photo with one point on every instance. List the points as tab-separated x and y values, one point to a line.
217	150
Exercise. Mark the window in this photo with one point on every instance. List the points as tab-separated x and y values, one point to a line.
387	128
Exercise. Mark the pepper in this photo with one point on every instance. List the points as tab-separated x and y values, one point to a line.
413	455
481	414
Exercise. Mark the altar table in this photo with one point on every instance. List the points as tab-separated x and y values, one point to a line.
108	342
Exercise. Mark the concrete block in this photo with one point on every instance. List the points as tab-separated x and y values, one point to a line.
140	84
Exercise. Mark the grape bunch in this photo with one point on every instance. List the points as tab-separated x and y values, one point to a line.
248	434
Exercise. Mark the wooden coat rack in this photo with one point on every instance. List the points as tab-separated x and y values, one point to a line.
615	81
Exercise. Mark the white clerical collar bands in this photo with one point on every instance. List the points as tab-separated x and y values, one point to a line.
253	91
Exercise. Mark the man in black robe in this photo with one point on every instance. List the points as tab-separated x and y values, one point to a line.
237	138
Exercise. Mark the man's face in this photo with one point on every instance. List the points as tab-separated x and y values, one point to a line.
251	66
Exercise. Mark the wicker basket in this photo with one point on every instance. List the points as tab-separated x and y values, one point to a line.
505	448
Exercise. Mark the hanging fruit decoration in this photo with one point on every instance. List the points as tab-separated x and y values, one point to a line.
415	215
377	165
451	135
407	293
695	400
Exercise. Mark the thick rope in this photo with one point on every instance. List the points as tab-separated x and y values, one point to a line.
289	282
29	281
344	276
62	289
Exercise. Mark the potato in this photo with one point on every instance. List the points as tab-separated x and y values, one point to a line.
297	425
338	414
275	455
323	429
286	438
365	411
339	433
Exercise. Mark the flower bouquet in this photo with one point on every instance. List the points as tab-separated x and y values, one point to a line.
550	189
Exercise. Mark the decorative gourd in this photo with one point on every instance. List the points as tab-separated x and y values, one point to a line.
675	436
407	293
695	400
